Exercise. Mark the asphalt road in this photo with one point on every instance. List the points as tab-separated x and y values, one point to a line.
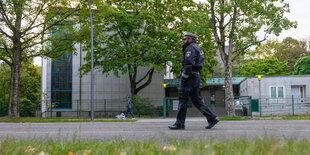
157	129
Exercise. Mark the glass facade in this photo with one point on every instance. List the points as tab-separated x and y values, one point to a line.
61	84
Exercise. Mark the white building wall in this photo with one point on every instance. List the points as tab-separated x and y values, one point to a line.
109	91
250	86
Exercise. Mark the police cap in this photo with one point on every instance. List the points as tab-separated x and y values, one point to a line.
188	34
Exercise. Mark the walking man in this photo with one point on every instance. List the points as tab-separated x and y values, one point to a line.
129	108
192	63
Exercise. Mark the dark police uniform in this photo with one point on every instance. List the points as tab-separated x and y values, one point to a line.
192	63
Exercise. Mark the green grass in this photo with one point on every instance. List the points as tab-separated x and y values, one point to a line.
184	147
58	119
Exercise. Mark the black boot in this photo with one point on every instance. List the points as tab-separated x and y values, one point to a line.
211	125
176	127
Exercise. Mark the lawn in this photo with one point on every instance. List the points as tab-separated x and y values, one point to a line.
258	146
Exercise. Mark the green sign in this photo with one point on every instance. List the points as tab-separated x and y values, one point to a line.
221	81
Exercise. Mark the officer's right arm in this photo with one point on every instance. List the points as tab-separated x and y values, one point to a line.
189	62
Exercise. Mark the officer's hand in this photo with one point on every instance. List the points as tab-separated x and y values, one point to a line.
184	77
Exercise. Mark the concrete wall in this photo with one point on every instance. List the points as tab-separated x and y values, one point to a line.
250	86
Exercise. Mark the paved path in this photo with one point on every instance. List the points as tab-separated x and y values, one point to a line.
145	129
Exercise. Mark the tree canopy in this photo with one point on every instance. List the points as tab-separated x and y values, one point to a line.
302	66
24	30
235	23
265	66
134	35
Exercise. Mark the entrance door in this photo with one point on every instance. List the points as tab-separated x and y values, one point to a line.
296	94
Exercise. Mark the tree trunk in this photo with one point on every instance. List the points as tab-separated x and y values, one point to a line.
14	85
229	95
134	88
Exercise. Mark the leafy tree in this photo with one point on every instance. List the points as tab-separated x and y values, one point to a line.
236	23
267	49
25	25
134	35
302	66
265	66
291	50
30	86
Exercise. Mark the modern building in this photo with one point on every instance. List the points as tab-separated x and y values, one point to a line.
65	92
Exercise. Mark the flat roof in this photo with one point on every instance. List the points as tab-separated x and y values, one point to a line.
210	81
235	80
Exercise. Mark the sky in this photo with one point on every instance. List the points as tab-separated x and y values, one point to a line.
299	11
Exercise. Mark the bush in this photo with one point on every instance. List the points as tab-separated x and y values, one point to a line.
159	110
142	106
3	108
26	108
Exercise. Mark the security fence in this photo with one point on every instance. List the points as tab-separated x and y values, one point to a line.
284	106
102	108
290	105
109	108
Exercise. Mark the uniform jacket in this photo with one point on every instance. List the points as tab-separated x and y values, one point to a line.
192	60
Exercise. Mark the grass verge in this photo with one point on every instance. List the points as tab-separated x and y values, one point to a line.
185	147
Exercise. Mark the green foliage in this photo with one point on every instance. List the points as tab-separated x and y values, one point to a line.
130	35
5	74
26	28
263	145
302	66
291	50
142	106
30	83
266	49
251	17
266	66
26	108
159	110
3	108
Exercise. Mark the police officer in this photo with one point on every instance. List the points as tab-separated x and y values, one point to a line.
192	63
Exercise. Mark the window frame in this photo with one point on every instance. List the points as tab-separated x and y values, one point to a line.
277	91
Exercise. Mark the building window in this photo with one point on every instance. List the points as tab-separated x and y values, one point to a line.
273	92
277	91
280	92
61	84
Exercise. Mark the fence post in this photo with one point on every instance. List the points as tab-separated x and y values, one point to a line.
51	110
164	107
80	107
293	104
105	106
77	108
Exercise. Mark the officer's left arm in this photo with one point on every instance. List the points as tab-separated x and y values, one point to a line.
189	62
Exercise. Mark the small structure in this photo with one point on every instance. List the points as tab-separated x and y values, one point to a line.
289	94
213	95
